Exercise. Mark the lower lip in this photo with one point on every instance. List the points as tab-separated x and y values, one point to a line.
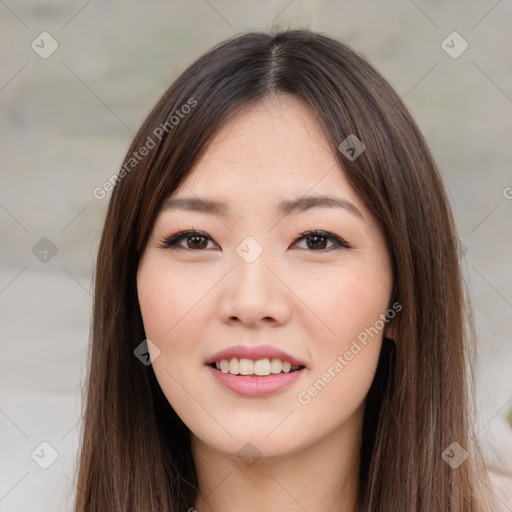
256	386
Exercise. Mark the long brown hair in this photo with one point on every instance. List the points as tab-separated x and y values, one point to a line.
135	451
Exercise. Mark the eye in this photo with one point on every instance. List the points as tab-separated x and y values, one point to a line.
198	240
194	240
318	239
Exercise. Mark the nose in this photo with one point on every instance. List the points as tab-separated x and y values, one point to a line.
254	293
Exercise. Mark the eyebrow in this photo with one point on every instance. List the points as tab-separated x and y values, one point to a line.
284	208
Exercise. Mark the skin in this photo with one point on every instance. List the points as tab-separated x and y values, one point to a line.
309	300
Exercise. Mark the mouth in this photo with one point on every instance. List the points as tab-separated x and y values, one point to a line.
255	378
255	368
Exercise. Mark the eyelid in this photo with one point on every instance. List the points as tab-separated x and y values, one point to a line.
170	241
326	234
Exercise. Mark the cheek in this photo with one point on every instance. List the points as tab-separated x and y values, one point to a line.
347	302
167	298
159	305
172	316
345	356
349	338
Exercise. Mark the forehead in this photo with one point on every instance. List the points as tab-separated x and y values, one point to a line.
274	134
268	151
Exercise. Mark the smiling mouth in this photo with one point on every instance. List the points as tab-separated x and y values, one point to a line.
292	369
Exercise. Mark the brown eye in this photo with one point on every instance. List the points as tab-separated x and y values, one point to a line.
197	242
317	241
194	241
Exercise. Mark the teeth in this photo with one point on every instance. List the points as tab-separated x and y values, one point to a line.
246	366
234	366
261	367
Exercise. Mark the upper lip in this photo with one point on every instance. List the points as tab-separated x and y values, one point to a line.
254	352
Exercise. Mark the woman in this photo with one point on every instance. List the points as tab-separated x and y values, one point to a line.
279	318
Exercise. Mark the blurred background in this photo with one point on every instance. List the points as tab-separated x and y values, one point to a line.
77	78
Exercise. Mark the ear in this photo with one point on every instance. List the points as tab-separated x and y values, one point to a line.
390	330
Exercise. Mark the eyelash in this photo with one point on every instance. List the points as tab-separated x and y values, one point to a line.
170	242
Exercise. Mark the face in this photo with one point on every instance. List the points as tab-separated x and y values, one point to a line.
313	281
